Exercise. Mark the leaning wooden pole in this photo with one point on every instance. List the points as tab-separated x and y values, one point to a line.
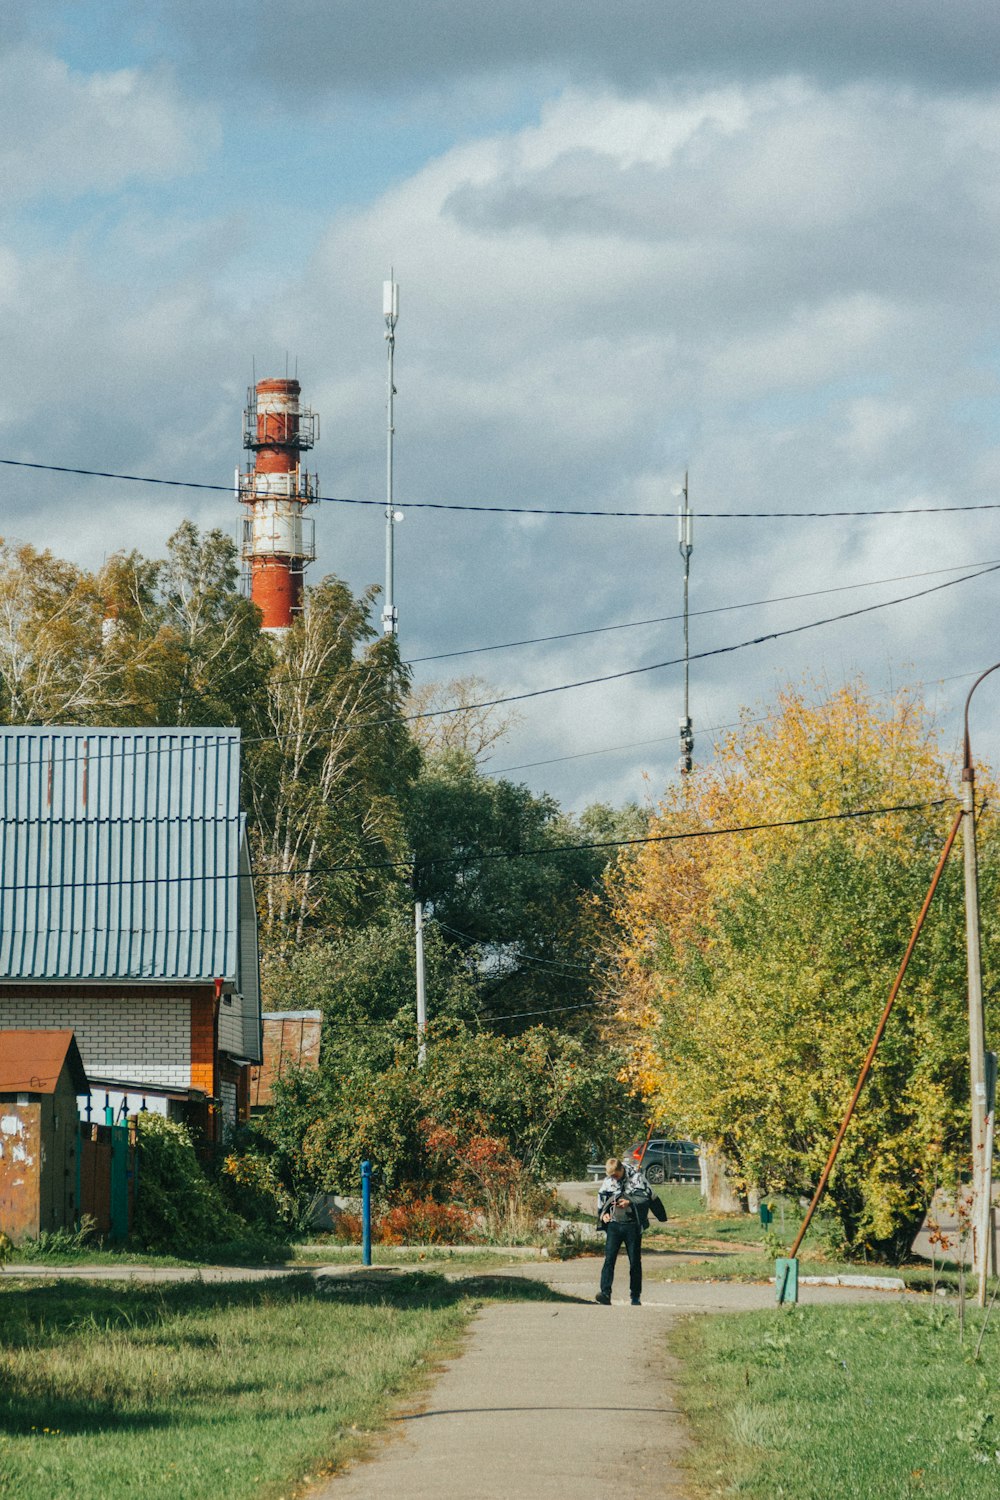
880	1029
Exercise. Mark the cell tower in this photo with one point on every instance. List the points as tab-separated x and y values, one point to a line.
278	539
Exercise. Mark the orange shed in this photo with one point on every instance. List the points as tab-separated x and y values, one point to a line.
41	1076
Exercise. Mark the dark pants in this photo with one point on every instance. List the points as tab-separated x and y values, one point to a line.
630	1235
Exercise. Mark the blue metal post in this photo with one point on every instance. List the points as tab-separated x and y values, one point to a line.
366	1213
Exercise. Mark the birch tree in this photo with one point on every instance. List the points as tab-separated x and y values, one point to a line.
327	781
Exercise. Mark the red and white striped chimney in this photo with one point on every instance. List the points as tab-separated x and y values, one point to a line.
278	540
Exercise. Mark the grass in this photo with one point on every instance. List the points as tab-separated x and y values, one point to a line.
212	1392
306	1255
701	1246
843	1403
405	1255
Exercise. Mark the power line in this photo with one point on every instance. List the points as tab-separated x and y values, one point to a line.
563	966
523	510
562	687
772	635
487	855
670	739
403	1023
720	609
556	687
294	679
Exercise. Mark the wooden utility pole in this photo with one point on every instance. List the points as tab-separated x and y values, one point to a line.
979	1076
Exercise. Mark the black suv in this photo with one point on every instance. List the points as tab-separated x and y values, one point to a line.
667	1160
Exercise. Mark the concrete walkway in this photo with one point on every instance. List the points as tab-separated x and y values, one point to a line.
555	1399
548	1399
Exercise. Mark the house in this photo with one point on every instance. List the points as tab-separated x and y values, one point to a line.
127	914
41	1078
291	1040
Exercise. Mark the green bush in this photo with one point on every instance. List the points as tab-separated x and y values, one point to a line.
178	1211
251	1186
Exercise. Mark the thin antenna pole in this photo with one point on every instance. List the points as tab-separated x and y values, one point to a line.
685	545
390	309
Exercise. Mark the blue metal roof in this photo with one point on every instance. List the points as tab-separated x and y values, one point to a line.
119	854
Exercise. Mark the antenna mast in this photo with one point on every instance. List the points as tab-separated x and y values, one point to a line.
390	310
685	545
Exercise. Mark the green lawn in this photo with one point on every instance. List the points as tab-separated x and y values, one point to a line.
212	1392
872	1402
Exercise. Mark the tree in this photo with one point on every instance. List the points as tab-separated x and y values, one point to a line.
139	642
219	661
754	967
329	776
544	1095
454	720
54	668
531	919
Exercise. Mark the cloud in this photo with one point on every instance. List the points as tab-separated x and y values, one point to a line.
328	47
65	134
577	323
786	285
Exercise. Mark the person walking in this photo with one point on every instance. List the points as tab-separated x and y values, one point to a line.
623	1201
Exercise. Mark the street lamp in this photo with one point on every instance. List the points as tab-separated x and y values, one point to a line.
982	1067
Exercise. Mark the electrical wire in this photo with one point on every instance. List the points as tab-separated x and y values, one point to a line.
671	739
366	1027
562	965
562	687
522	510
484	856
772	635
720	609
295	679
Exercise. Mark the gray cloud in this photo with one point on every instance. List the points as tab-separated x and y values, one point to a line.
322	47
783	285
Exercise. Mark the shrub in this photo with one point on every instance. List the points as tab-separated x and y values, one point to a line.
58	1241
424	1222
347	1229
487	1176
177	1209
252	1187
420	1221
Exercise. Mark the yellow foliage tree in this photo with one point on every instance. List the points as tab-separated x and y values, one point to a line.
752	967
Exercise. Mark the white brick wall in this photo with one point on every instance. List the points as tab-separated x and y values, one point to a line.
141	1038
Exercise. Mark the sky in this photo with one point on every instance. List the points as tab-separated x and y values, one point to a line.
756	243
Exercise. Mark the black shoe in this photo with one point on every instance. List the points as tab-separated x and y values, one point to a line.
603	1299
636	1302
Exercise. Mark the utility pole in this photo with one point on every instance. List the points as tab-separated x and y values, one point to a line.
685	545
980	1076
421	986
390	310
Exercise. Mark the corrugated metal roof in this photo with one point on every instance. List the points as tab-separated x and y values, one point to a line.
31	1061
119	850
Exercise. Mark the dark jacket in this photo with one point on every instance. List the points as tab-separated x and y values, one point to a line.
633	1186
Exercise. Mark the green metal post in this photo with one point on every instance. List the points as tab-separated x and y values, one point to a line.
786	1281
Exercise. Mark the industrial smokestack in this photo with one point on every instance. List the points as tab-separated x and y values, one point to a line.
278	541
